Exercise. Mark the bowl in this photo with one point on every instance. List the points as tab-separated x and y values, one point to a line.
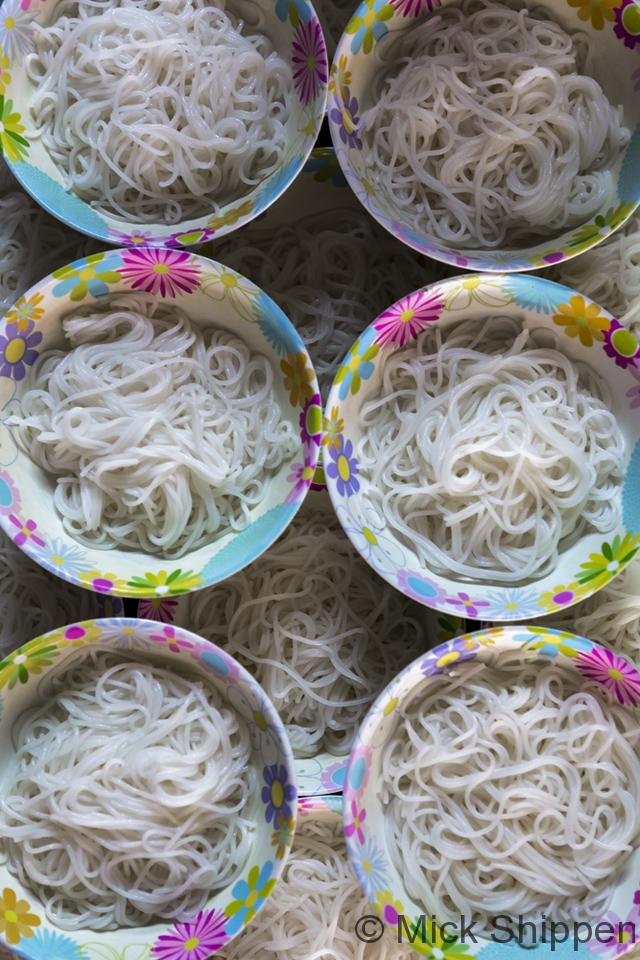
295	34
358	57
210	294
23	679
384	887
583	567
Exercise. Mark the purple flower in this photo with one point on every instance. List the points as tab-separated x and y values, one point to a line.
16	349
447	654
620	345
157	608
411	8
311	421
309	58
471	607
301	476
627	25
616	674
194	940
346	115
344	468
278	793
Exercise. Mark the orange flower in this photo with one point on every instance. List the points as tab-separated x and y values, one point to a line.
596	10
15	920
582	319
297	378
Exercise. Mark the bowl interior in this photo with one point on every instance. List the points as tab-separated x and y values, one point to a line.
615	66
293	30
583	567
211	295
386	890
24	683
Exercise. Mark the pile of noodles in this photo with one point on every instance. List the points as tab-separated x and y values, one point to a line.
512	787
609	274
313	911
161	437
487	128
32	601
322	634
611	616
159	112
488	452
332	274
131	796
32	243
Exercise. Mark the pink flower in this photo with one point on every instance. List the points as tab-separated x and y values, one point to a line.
168	636
157	608
470	607
613	672
157	270
357	820
406	319
301	475
26	531
194	940
309	60
634	393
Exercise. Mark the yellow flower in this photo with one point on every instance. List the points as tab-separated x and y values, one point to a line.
5	78
582	319
340	76
15	920
333	427
596	10
297	378
231	217
12	143
25	310
162	583
283	836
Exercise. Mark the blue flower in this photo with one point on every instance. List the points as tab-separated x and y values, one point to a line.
49	945
278	793
295	9
249	895
90	275
371	867
552	642
514	603
371	27
357	364
455	651
275	327
276	184
325	166
535	293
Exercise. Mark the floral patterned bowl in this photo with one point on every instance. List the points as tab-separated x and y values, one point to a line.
23	924
613	25
365	816
295	32
584	333
210	294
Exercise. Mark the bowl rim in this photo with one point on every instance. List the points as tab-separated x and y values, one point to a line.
539	643
213	665
494	295
352	61
299	20
281	345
